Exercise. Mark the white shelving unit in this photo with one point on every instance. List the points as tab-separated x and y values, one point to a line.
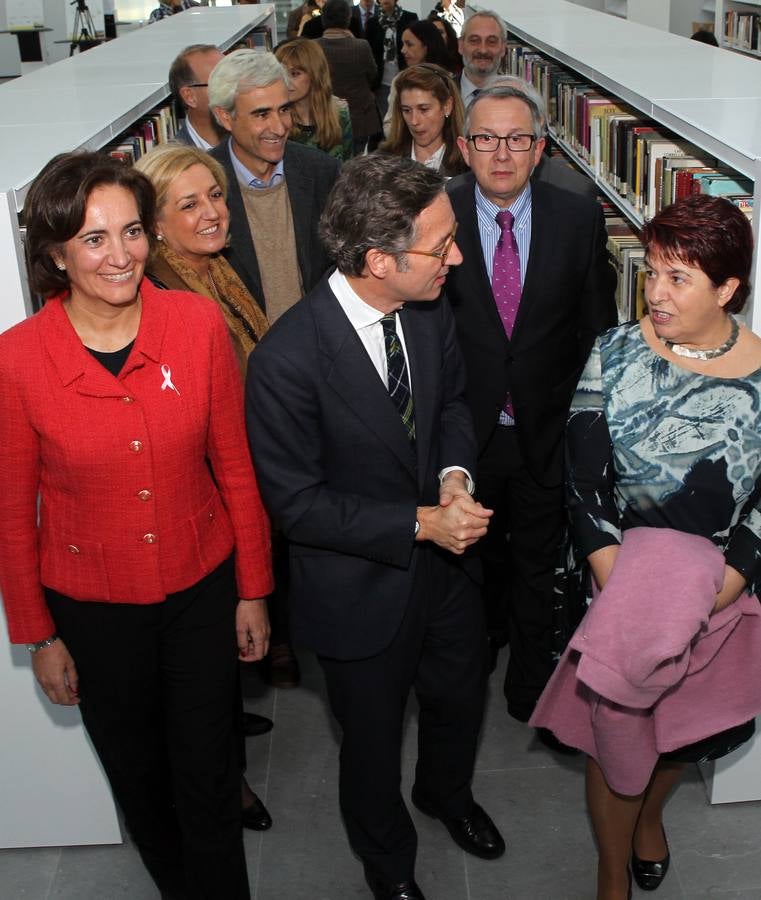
52	791
708	96
723	6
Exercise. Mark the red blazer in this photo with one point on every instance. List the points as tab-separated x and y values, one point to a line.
144	481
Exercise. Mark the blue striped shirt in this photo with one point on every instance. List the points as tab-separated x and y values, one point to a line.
490	231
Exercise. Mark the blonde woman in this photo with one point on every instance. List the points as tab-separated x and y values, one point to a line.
191	227
192	222
320	119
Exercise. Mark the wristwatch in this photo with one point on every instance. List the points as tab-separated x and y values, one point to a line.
33	648
417	527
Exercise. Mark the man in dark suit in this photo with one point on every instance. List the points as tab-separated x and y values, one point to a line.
272	181
363	446
384	34
189	84
534	291
360	15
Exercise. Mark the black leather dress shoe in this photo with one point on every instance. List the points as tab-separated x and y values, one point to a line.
254	725
551	742
256	816
474	833
405	890
649	875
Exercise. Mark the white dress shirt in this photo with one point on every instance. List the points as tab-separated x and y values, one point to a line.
366	321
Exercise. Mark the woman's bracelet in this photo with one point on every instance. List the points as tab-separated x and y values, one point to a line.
33	648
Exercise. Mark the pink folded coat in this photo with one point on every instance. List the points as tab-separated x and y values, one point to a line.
649	669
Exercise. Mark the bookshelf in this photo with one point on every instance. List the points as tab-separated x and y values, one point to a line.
736	6
85	101
709	97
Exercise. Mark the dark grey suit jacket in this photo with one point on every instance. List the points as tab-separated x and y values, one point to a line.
567	301
354	73
556	171
309	175
182	135
336	468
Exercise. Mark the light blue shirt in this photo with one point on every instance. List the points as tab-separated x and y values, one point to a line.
490	231
248	178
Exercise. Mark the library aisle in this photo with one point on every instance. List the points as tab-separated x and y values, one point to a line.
536	798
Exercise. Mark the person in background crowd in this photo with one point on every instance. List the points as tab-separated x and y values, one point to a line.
353	72
310	14
361	13
384	34
170	8
294	21
703	36
277	191
427	119
189	84
191	229
662	446
136	556
482	45
452	12
320	119
421	42
454	60
373	492
534	291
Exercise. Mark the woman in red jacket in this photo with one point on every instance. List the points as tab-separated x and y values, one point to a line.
121	412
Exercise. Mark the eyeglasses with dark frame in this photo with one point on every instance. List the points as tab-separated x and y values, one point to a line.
442	254
515	143
198	84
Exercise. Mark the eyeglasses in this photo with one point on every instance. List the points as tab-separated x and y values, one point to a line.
442	254
205	84
516	143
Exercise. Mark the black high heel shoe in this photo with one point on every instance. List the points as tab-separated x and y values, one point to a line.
649	874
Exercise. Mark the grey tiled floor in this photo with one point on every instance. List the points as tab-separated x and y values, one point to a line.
536	799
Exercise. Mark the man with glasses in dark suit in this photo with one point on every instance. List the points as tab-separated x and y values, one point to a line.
534	290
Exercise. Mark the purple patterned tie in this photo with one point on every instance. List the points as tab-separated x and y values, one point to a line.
506	273
506	279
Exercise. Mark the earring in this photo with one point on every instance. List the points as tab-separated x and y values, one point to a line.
60	266
446	115
159	237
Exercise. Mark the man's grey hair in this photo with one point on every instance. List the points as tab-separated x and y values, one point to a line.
514	81
374	205
485	14
241	71
507	93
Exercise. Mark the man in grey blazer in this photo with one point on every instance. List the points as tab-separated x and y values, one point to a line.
277	190
189	83
274	181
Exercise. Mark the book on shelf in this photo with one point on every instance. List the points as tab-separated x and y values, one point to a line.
742	29
645	165
143	135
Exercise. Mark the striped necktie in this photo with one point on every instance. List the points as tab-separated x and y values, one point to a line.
398	379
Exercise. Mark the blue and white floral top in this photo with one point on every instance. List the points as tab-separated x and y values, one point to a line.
652	444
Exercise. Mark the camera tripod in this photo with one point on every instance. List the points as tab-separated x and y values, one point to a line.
83	34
